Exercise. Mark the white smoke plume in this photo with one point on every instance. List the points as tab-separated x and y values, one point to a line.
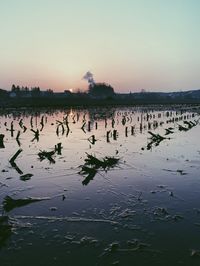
89	77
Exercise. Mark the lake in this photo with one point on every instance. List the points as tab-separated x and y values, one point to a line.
100	186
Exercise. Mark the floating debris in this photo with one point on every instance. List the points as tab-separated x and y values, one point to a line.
113	247
26	177
53	208
161	212
127	213
181	172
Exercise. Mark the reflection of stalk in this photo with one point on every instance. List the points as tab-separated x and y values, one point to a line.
108	136
126	132
115	134
17	138
132	130
58	148
83	127
36	136
12	161
1	141
19	171
89	126
12	129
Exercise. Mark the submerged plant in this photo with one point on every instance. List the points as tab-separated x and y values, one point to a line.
93	164
181	128
12	161
36	135
93	161
1	141
26	177
92	139
156	139
190	124
169	131
105	163
10	203
89	172
58	148
46	155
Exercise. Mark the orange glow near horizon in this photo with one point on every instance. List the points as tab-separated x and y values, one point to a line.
132	46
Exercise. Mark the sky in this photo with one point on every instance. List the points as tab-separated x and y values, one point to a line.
131	44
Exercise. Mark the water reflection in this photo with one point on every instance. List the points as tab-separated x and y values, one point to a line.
129	174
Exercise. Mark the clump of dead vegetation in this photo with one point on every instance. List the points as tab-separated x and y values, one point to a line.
46	155
9	203
92	165
188	125
49	154
155	140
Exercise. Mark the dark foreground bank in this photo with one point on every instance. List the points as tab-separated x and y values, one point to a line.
87	101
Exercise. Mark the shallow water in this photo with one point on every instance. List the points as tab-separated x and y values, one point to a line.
143	211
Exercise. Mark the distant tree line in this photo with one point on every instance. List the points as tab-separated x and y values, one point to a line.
33	91
96	90
3	93
18	89
96	93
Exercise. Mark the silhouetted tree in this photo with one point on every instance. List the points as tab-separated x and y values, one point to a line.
101	90
15	88
35	92
50	91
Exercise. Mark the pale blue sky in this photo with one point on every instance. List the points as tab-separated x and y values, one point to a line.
131	44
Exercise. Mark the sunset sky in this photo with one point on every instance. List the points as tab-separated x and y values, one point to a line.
131	44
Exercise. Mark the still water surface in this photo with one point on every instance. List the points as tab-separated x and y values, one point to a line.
144	210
